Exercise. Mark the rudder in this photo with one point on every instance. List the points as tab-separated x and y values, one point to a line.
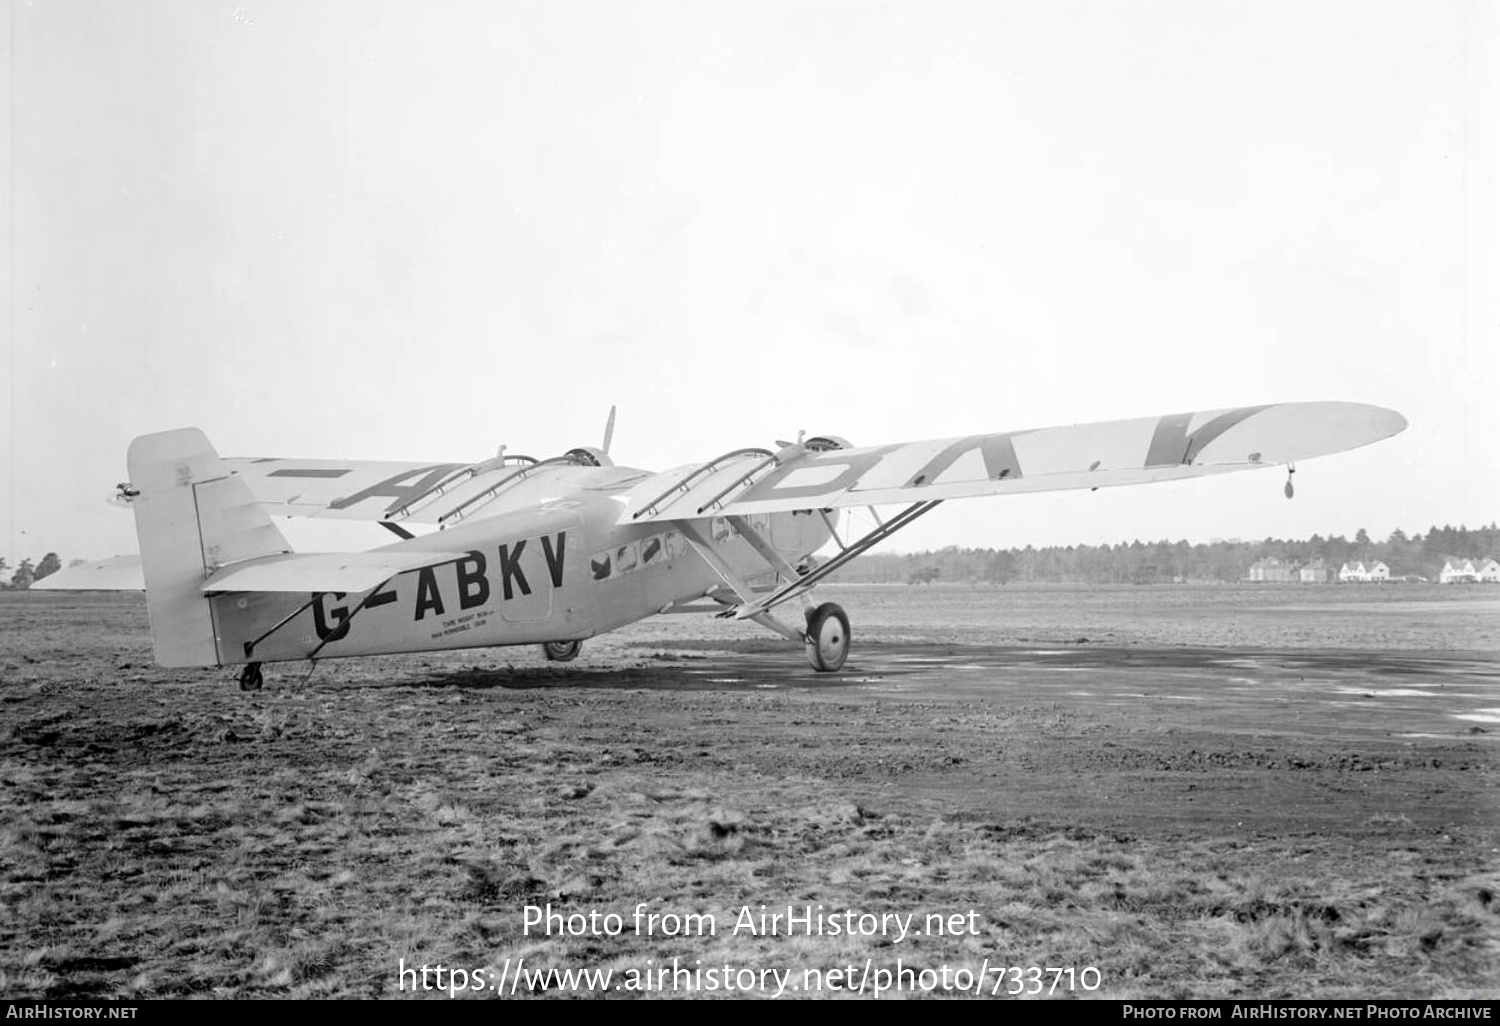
192	517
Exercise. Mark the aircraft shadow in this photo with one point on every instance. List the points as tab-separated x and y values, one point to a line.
727	676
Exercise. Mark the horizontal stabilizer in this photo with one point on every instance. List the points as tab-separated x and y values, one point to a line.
118	573
324	571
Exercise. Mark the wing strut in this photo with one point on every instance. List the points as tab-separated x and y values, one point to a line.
741	587
800	585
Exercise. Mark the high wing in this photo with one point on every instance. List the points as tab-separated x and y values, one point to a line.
1110	453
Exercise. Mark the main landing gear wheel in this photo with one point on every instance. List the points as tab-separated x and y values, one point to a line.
561	651
250	678
827	641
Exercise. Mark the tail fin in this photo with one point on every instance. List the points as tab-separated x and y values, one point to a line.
192	517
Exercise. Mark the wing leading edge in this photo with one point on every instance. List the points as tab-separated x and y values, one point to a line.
1106	454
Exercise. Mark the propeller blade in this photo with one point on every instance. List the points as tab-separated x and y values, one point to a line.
609	430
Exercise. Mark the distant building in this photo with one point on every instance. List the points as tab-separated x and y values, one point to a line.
1457	571
1273	569
1465	571
1361	572
1316	572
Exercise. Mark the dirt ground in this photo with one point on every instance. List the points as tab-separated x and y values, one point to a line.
1211	792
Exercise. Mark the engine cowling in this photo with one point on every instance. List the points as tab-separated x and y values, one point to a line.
588	456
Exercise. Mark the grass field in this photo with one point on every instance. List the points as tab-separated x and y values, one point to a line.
1205	792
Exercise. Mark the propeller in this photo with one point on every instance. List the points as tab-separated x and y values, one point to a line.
609	430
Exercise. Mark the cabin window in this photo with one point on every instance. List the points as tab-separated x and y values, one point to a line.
627	557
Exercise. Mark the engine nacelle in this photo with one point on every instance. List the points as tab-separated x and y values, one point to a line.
588	456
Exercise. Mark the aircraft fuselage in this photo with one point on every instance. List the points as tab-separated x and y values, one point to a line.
565	570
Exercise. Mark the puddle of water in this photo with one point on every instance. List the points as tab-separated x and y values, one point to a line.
1479	716
1453	737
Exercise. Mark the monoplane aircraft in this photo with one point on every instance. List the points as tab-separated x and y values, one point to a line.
557	550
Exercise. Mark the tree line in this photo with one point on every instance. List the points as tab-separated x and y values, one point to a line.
1165	562
1137	562
28	573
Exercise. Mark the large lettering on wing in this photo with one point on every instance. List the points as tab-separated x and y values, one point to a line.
997	452
832	473
402	488
1172	445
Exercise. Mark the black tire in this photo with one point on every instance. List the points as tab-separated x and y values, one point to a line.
250	678
827	640
561	651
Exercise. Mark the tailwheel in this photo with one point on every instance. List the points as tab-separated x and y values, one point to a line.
250	678
561	651
827	639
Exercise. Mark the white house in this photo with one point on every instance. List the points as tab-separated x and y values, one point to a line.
1360	572
1458	571
1462	571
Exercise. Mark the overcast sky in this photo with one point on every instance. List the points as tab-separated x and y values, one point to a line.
420	230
